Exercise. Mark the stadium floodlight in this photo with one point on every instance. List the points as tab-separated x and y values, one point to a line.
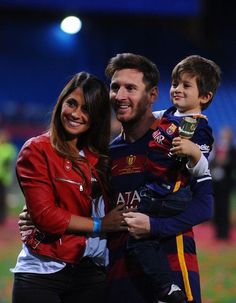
71	25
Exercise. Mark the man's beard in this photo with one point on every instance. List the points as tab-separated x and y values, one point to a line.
140	111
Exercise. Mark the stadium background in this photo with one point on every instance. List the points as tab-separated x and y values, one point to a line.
37	59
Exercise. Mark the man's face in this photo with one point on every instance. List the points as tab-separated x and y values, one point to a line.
128	95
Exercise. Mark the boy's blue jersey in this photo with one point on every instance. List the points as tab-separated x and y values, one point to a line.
163	170
126	283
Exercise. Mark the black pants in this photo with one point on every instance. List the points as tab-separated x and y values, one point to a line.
153	261
149	252
82	283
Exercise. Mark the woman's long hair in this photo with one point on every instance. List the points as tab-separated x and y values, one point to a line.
96	139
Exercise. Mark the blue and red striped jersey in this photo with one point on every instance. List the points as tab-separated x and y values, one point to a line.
126	283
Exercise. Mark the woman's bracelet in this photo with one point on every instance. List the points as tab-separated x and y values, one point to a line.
97	225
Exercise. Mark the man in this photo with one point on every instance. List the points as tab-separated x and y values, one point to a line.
133	90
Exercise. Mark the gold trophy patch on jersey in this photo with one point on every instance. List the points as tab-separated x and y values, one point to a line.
130	160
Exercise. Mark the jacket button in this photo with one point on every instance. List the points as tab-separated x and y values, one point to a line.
67	165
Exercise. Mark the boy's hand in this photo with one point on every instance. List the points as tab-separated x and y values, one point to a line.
187	148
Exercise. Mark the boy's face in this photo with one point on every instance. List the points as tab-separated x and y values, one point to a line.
184	94
129	97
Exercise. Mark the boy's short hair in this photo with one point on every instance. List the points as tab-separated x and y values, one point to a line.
151	74
207	72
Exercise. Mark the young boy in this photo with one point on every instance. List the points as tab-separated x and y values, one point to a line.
194	82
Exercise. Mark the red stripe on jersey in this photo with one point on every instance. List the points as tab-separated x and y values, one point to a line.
162	171
131	164
190	259
188	233
123	269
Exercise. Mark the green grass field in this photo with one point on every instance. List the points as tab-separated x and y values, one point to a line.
217	262
7	260
218	275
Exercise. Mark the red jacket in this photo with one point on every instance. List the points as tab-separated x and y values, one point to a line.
53	191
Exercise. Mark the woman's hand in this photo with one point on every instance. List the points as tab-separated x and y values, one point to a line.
138	224
25	222
114	220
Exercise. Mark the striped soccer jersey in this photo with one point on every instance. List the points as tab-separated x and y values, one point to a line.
129	163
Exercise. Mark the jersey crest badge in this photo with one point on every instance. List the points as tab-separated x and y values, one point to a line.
171	129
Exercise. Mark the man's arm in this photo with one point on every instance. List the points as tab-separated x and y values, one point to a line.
200	209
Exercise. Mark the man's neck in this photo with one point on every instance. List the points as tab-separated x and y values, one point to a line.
136	130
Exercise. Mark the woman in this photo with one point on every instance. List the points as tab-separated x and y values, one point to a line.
62	173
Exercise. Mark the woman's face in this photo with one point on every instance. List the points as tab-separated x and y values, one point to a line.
74	116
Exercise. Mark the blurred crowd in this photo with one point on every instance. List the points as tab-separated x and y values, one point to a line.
223	170
222	165
8	153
